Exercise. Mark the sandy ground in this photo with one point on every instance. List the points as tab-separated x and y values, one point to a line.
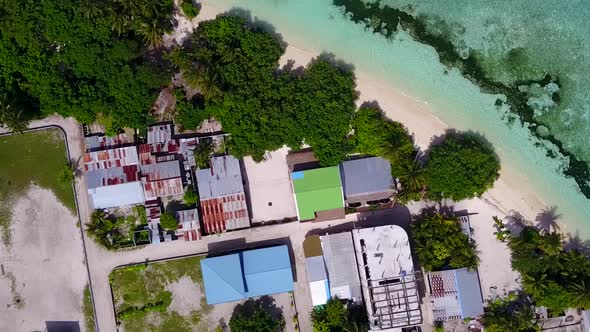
44	265
269	186
186	296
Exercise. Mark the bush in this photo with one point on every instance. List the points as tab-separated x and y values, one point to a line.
441	244
190	197
335	316
167	221
189	9
255	315
462	167
510	314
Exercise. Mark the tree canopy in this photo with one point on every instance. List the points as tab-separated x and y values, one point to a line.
256	315
556	278
335	316
514	313
440	244
84	58
167	221
461	167
235	66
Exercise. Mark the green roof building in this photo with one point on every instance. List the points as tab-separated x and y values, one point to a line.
318	193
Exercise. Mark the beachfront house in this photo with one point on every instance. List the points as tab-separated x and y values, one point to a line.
366	181
318	194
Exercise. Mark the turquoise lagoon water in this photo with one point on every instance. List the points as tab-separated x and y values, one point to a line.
406	64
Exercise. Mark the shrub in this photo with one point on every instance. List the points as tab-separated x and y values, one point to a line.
190	197
462	167
189	9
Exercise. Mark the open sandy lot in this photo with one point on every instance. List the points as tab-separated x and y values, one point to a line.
270	187
43	273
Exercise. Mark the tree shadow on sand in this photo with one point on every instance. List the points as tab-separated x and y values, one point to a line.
574	242
546	221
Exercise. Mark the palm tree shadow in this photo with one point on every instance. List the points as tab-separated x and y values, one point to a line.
547	220
515	222
574	242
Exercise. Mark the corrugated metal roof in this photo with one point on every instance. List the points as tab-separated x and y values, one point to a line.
111	176
366	176
117	195
101	142
247	274
342	272
189	227
160	171
111	158
222	179
456	294
225	213
162	188
160	139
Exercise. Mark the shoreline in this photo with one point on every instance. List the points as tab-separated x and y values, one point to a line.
418	117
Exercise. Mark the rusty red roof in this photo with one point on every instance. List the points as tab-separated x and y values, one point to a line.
225	213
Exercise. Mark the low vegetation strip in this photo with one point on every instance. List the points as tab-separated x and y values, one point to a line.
31	158
143	298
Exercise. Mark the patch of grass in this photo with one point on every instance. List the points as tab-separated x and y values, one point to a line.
31	158
88	310
141	298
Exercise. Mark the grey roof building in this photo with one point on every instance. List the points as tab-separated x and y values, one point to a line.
341	264
224	178
456	294
367	179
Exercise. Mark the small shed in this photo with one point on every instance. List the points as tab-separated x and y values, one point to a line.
456	294
365	180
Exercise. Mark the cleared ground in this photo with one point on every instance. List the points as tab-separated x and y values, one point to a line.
34	157
168	296
43	274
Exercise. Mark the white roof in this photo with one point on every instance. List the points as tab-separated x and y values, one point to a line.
117	195
319	293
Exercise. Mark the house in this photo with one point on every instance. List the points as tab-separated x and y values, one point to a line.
161	179
455	294
387	276
366	181
247	274
316	271
222	196
161	139
113	177
188	225
318	194
339	257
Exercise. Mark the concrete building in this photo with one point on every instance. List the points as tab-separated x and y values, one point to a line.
366	181
247	274
387	277
340	260
455	294
221	191
316	271
318	194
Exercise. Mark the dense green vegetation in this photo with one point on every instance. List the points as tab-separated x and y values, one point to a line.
235	66
86	59
44	158
335	316
115	232
189	9
440	244
257	315
514	313
142	301
190	197
461	167
189	113
556	278
167	221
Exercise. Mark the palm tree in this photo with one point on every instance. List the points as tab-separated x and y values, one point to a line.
151	32
535	286
90	8
412	176
203	79
202	153
581	292
551	243
12	115
130	7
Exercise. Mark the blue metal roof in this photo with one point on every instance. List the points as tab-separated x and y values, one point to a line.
469	293
247	274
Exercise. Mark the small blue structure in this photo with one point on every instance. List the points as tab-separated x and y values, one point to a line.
247	274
